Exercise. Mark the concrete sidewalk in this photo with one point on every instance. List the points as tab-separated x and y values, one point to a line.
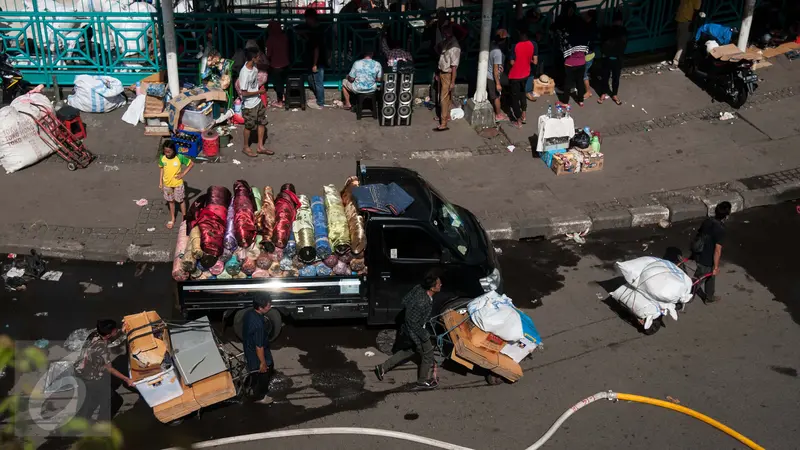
674	167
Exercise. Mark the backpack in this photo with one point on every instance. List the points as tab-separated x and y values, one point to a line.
698	244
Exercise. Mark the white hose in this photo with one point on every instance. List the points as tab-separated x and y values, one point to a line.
326	431
590	399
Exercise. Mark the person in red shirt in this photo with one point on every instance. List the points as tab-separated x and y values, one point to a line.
523	55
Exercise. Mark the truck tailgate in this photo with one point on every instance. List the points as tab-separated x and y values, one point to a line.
306	298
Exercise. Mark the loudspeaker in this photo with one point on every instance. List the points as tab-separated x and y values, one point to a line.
405	99
388	115
295	92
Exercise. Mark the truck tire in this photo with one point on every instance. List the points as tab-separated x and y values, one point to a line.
453	303
273	316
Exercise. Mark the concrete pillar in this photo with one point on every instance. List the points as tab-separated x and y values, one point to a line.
747	20
479	111
168	16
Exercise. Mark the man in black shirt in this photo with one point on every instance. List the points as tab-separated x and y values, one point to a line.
413	337
316	58
255	335
708	251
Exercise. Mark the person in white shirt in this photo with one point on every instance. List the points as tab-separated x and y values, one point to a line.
253	109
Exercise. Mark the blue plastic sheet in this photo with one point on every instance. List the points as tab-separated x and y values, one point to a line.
529	329
320	221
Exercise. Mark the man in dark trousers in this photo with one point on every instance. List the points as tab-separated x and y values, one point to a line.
413	338
255	334
707	250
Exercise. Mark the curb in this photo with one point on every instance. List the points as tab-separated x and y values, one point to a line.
135	244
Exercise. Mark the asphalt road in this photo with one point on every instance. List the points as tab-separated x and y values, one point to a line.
736	361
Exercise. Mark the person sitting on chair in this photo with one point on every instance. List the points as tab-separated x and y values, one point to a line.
362	79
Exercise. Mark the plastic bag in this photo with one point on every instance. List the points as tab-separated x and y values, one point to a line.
580	140
496	314
135	110
77	339
96	94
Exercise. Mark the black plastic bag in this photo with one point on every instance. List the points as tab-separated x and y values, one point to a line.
580	140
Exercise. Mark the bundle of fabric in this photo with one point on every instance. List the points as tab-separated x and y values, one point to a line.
178	273
308	271
291	246
217	268
355	221
320	221
230	240
286	204
261	273
249	266
211	220
286	263
331	261
192	251
304	232
263	261
275	270
265	219
244	220
257	200
338	233
322	269
357	265
233	267
206	262
382	198
341	268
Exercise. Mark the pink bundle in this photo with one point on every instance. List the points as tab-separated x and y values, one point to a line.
177	264
211	219
244	207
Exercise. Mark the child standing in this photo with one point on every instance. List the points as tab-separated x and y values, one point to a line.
170	180
253	110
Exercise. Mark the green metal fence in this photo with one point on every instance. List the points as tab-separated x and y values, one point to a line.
48	38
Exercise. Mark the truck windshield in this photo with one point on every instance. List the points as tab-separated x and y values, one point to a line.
450	223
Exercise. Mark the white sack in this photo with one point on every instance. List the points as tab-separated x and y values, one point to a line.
96	94
660	279
642	307
20	142
496	314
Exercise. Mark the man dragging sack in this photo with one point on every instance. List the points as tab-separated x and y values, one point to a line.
707	251
413	338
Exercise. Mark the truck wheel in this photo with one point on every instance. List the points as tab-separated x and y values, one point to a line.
454	303
274	316
494	380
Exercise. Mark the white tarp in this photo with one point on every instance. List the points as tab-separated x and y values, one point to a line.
658	278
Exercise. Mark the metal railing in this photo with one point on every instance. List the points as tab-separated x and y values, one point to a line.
64	38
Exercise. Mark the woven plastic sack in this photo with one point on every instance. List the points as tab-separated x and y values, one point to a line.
657	278
495	313
641	306
96	94
21	144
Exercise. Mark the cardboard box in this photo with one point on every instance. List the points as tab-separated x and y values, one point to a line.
176	105
565	163
547	156
592	162
731	52
485	340
145	349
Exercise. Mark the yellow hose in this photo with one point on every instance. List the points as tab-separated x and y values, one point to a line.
690	412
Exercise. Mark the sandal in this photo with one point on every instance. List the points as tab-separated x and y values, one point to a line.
617	101
602	98
170	224
266	151
441	129
250	153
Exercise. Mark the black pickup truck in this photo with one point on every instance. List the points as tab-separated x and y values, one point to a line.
431	234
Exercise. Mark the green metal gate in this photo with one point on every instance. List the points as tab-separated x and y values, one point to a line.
51	38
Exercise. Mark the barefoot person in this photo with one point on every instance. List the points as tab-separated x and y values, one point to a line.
253	110
170	179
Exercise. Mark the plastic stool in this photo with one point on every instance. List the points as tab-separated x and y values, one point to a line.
75	127
363	98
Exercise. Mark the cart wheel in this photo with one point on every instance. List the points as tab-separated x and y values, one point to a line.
494	380
656	325
72	167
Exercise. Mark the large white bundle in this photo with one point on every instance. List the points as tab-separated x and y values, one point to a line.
643	307
95	94
660	279
494	313
20	142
